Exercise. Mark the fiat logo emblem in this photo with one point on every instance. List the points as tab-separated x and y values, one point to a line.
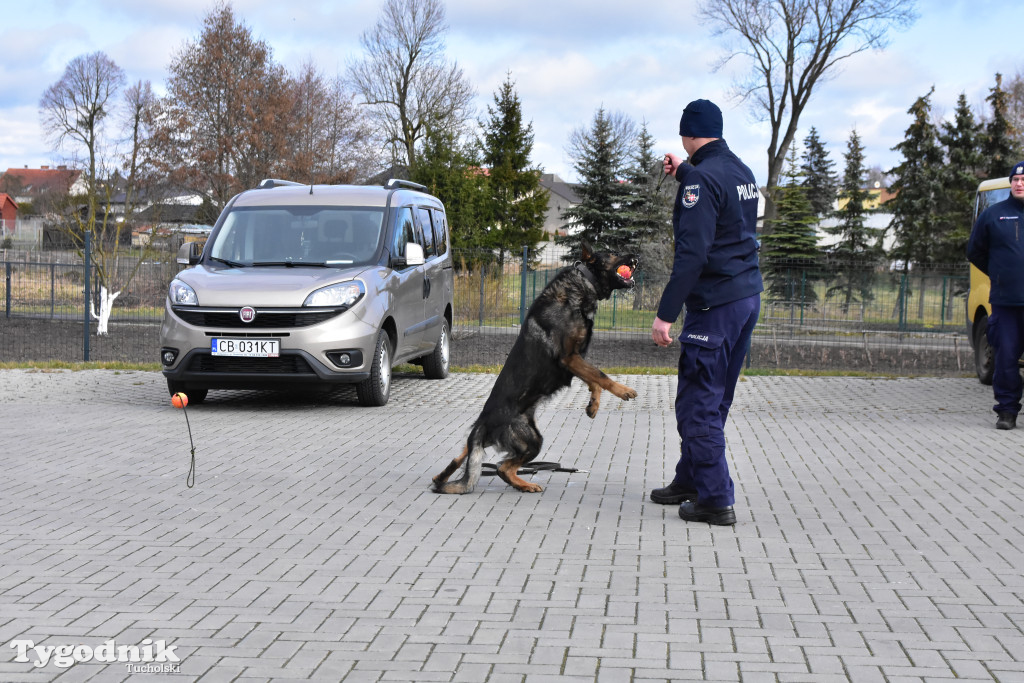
247	314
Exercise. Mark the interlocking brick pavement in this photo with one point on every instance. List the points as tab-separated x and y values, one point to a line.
879	536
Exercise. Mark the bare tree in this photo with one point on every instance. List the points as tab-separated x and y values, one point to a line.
75	108
331	139
405	80
75	111
1015	107
226	116
793	45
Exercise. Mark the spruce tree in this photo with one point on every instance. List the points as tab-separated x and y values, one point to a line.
600	158
818	177
648	207
648	214
517	201
1000	147
858	247
451	172
916	188
789	251
954	207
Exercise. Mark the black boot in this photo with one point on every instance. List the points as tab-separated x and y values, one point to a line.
693	511
673	494
1006	421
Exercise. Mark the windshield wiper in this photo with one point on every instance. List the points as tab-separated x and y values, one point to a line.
233	264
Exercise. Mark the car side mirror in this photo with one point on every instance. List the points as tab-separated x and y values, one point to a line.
189	253
413	254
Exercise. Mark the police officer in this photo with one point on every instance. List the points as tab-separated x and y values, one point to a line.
997	249
715	273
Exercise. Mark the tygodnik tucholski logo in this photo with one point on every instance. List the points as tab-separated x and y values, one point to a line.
149	656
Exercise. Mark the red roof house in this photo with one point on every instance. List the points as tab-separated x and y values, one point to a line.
34	182
8	212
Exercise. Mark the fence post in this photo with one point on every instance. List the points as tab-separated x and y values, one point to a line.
85	313
7	281
522	286
482	276
903	302
53	288
803	294
942	314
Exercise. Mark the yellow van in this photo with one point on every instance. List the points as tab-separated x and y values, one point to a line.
978	308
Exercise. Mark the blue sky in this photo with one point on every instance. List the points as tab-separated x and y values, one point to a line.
567	59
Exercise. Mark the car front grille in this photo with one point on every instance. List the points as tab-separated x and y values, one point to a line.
267	318
289	364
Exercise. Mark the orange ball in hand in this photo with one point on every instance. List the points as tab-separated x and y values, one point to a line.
179	400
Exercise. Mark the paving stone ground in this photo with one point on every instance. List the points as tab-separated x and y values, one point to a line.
879	537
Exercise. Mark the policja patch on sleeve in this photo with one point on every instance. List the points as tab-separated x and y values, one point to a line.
691	195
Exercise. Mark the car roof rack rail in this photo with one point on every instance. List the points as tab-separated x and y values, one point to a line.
396	182
269	183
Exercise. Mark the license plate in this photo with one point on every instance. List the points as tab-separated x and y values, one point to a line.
245	348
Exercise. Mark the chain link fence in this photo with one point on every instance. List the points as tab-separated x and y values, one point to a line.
837	316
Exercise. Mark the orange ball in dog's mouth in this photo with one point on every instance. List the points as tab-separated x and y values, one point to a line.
625	272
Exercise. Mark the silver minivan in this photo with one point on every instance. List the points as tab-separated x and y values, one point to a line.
311	285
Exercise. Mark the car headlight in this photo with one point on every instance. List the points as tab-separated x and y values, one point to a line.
182	295
342	294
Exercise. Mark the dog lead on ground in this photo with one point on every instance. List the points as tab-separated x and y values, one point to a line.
550	350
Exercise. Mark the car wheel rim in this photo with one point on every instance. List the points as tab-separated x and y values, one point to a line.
444	348
385	369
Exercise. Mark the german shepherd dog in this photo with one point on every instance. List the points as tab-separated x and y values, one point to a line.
548	353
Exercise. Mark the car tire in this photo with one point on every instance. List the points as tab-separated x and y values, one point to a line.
984	362
435	366
195	396
375	390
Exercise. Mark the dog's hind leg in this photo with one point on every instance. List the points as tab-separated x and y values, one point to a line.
472	456
452	466
523	443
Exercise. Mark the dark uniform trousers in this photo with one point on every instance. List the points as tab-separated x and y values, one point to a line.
714	344
1006	337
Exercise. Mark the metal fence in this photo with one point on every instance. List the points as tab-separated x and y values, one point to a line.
838	317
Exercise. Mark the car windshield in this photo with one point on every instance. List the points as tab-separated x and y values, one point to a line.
327	236
990	197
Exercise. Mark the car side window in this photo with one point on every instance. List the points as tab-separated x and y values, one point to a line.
428	232
405	232
440	232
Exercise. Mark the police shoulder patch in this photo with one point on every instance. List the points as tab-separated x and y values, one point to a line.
691	195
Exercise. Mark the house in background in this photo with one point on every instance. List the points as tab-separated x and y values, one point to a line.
561	196
31	184
877	218
8	214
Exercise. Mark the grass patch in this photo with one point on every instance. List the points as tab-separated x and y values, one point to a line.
75	366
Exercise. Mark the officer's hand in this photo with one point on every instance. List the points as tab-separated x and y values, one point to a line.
671	163
661	332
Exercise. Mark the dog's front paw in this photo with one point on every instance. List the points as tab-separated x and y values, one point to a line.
592	408
625	393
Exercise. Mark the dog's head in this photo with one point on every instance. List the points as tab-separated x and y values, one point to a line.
610	270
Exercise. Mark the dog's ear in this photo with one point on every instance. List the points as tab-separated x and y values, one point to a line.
586	251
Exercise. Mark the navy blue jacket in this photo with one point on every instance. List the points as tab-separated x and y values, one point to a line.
715	219
997	249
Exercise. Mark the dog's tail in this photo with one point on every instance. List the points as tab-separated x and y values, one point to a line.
472	455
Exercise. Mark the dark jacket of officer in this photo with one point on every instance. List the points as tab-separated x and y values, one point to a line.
715	219
997	249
